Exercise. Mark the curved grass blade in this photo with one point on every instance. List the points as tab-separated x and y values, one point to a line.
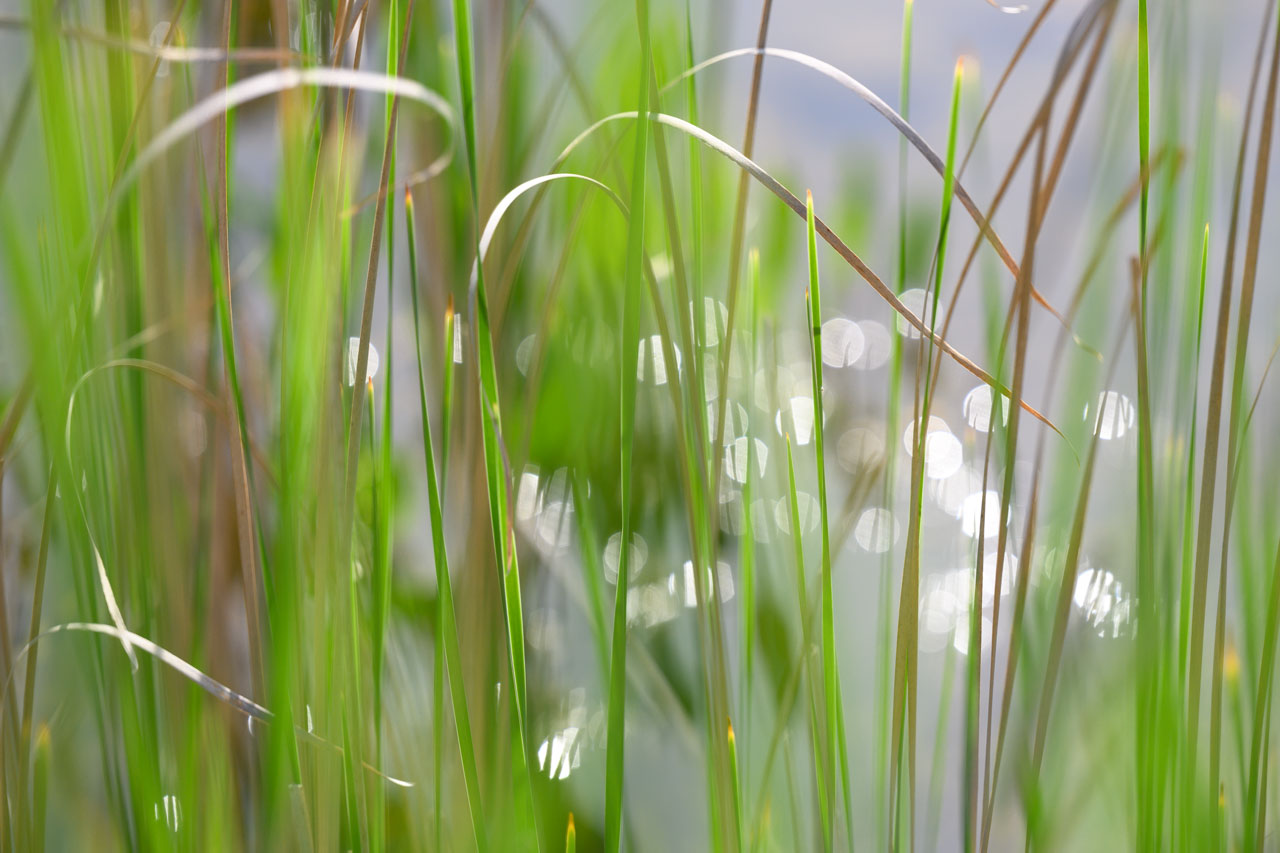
1004	79
823	230
166	52
207	683
270	83
738	229
909	133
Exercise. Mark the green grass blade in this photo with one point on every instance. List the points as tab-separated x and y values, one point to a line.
748	541
836	750
491	424
615	755
819	732
446	617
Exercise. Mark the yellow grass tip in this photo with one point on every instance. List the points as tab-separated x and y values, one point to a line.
1231	664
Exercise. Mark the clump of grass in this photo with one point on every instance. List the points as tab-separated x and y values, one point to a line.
680	543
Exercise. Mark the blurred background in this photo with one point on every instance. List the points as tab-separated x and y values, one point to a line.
179	348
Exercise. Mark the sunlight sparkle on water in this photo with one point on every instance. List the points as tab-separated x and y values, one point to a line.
560	754
353	362
943	453
989	563
961	638
842	342
971	514
810	513
652	364
715	316
735	458
1115	415
527	493
859	448
682	587
914	300
1103	602
877	345
613	554
524	354
876	530
651	604
736	419
977	408
949	494
796	418
172	812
